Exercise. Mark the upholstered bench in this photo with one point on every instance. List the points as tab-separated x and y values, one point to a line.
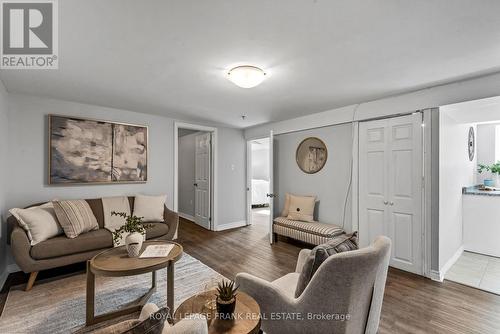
312	233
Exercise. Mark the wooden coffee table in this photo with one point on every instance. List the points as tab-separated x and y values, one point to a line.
115	262
247	314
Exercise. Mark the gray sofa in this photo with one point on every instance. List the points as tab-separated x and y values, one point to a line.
350	283
61	251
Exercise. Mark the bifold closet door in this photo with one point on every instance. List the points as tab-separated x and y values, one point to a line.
390	187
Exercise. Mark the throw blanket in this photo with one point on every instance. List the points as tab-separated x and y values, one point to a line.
112	223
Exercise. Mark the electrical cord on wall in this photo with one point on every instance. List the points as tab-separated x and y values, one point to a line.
351	165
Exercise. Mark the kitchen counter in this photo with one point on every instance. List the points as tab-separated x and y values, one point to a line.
475	190
480	212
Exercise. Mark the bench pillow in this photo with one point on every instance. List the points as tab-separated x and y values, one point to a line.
301	208
320	253
76	217
39	222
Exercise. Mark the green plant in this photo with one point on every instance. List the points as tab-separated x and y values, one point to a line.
226	291
494	168
132	224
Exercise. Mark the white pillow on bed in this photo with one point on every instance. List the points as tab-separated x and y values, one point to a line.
39	222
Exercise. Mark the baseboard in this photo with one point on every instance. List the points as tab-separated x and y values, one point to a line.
186	216
439	275
13	268
228	226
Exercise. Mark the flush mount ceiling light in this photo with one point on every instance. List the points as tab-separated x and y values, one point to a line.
246	76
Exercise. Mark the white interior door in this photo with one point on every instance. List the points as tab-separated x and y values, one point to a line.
202	180
271	185
390	187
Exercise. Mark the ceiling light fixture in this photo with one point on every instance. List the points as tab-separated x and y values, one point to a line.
246	76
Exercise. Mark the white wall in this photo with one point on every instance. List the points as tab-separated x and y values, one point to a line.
329	185
486	147
455	172
27	157
187	147
260	163
467	90
4	175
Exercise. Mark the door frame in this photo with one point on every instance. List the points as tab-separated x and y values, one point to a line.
214	168
426	220
249	177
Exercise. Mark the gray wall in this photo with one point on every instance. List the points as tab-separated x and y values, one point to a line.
4	157
329	185
187	146
27	163
231	176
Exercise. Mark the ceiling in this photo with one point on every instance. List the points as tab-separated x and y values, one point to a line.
476	111
170	57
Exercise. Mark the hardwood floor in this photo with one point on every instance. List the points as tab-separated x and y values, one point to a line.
412	304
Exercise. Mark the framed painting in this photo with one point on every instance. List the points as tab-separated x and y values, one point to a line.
89	151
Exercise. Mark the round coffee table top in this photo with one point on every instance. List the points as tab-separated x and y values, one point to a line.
246	320
116	262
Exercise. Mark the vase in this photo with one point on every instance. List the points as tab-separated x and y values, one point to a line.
225	309
133	242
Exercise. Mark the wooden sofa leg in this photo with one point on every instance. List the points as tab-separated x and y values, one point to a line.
31	281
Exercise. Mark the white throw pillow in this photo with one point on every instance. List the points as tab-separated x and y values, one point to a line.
39	222
301	208
151	208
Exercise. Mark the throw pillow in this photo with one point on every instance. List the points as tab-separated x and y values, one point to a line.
151	208
151	325
286	206
320	253
76	217
301	208
39	222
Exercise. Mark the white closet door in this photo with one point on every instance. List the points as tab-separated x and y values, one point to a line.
202	180
390	182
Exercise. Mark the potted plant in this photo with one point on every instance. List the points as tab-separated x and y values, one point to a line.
495	172
136	231
226	299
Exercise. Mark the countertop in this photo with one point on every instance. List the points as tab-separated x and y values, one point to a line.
475	190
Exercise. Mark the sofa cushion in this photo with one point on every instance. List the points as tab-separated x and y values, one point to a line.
320	253
61	245
156	230
75	216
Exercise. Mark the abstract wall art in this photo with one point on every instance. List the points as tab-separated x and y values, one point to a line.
93	151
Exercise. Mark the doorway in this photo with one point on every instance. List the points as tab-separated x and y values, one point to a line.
258	180
194	178
390	187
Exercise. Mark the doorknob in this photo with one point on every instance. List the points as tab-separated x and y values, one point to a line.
386	202
271	195
195	184
391	203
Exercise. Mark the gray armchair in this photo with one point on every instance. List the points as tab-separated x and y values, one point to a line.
344	295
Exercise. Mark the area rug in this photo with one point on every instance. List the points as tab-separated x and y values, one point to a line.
58	306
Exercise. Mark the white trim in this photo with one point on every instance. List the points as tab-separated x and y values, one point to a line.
249	182
181	125
228	226
186	216
355	179
427	194
440	275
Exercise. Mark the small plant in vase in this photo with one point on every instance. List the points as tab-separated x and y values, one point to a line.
226	299
135	229
494	169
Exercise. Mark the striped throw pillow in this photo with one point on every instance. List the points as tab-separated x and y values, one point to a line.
76	217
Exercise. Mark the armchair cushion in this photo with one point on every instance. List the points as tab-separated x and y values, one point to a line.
319	254
287	284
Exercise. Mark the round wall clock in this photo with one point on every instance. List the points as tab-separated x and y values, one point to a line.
311	155
471	146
